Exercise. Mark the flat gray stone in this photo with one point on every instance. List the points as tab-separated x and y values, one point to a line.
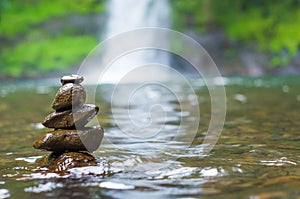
76	79
68	96
58	141
71	120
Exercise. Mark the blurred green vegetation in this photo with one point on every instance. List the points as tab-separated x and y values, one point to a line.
51	54
21	15
28	49
271	25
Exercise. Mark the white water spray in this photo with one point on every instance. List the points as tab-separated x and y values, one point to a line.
127	15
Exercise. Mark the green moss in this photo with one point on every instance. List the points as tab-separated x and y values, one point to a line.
48	55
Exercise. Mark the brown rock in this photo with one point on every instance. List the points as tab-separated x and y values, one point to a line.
71	119
68	96
76	79
60	162
59	141
71	160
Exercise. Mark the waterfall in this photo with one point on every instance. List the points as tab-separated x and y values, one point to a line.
127	15
124	15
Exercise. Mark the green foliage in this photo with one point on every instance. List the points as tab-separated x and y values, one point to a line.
22	15
272	24
185	14
55	54
30	50
4	5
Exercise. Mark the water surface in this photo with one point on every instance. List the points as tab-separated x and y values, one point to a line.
257	155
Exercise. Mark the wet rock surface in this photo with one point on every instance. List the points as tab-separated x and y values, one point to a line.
60	162
70	138
70	160
76	79
69	96
70	119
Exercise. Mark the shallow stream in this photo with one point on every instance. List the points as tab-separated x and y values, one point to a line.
256	156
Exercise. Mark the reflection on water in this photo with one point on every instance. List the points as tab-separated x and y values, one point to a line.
257	155
152	120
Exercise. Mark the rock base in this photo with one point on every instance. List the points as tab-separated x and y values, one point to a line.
61	162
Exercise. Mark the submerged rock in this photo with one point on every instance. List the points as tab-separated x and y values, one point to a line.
59	162
72	159
59	141
76	79
69	119
68	96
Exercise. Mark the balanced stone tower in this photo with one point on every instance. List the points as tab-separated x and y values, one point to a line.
70	141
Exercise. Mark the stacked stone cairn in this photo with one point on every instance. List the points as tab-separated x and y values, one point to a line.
70	141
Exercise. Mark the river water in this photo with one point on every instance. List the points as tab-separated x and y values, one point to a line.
256	156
